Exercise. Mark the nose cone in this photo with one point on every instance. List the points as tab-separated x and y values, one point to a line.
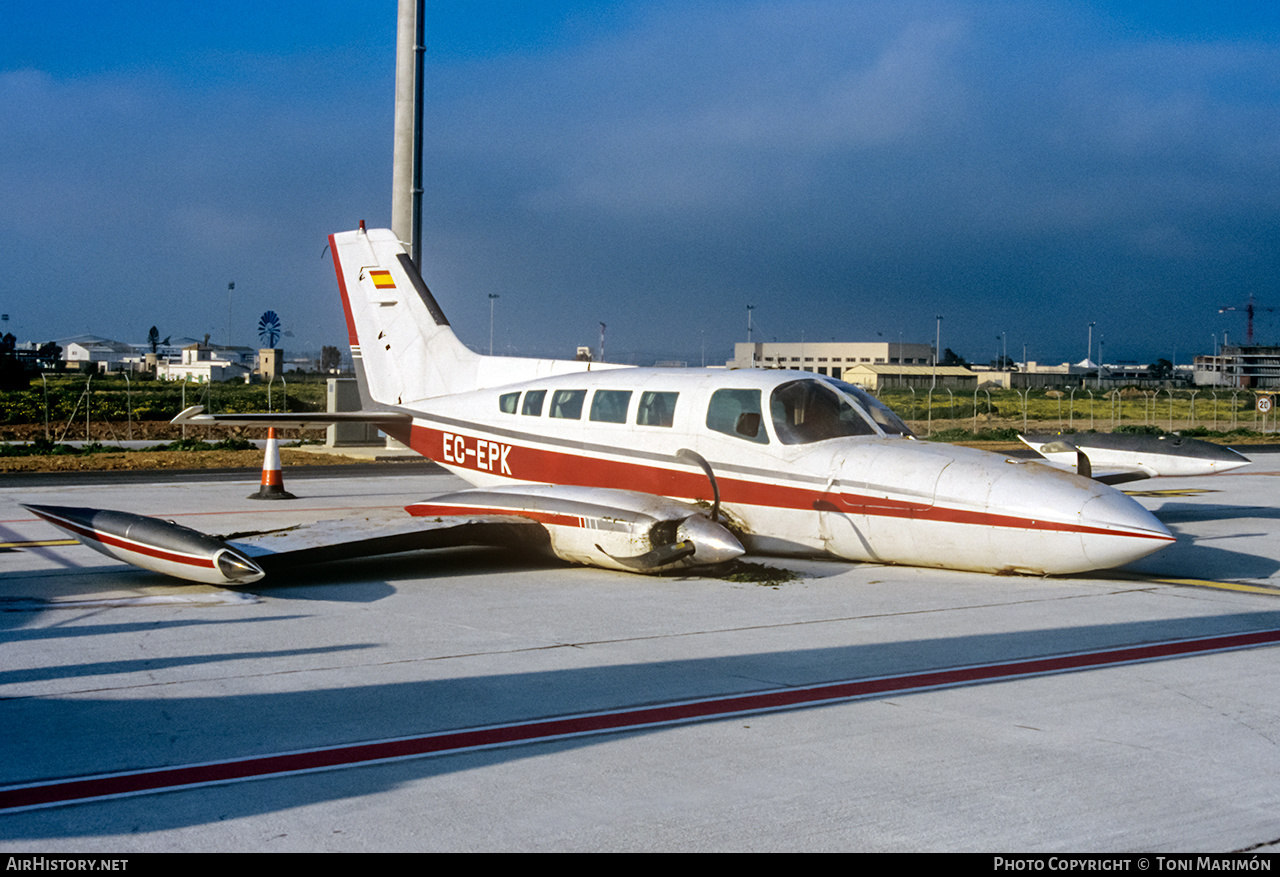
1028	517
1126	531
1079	524
714	543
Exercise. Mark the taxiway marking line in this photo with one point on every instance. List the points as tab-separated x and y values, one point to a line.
53	793
1120	575
40	543
1223	586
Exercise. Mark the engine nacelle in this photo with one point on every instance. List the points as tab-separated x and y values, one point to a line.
614	529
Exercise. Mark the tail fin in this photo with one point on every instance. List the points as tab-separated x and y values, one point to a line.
401	341
402	345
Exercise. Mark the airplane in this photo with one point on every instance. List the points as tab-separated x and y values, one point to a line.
647	470
1116	458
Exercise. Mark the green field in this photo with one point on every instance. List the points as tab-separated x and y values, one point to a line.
1007	412
67	402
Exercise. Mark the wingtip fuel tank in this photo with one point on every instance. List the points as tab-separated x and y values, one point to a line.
154	544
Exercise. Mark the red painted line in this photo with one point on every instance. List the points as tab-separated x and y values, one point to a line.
56	792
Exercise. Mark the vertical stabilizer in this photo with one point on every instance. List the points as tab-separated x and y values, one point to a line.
402	346
399	336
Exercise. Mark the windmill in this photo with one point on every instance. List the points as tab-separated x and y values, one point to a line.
269	329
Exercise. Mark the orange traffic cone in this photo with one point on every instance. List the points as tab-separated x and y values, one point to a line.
272	475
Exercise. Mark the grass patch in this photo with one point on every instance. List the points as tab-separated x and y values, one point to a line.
42	447
45	448
234	443
749	573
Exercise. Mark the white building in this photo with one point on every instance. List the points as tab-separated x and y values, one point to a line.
829	357
104	354
201	363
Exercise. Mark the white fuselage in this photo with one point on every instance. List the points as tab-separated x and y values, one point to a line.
874	497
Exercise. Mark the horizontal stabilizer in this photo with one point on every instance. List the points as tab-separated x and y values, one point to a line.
194	416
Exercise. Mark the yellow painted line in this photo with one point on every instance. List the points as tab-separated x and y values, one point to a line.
1222	586
1172	491
40	543
1196	583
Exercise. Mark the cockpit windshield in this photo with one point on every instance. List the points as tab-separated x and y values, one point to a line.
888	422
807	411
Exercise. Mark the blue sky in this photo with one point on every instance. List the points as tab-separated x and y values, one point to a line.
851	169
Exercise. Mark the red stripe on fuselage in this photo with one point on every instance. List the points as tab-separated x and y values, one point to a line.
556	467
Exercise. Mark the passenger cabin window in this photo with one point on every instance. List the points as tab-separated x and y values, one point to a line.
656	409
610	406
737	413
507	402
812	411
567	404
533	402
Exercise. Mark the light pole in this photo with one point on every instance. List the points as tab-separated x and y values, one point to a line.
750	346
1088	352
937	351
492	298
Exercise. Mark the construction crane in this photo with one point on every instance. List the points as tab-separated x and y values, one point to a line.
1250	308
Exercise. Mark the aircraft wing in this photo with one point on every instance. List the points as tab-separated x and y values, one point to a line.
347	538
615	529
1115	458
194	416
242	558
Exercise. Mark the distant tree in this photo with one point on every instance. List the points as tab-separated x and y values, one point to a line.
153	338
1161	369
12	375
330	358
49	355
950	357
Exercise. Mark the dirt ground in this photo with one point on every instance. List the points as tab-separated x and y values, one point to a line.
140	430
167	460
160	432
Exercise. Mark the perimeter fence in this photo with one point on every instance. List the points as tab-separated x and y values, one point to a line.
1200	411
70	406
